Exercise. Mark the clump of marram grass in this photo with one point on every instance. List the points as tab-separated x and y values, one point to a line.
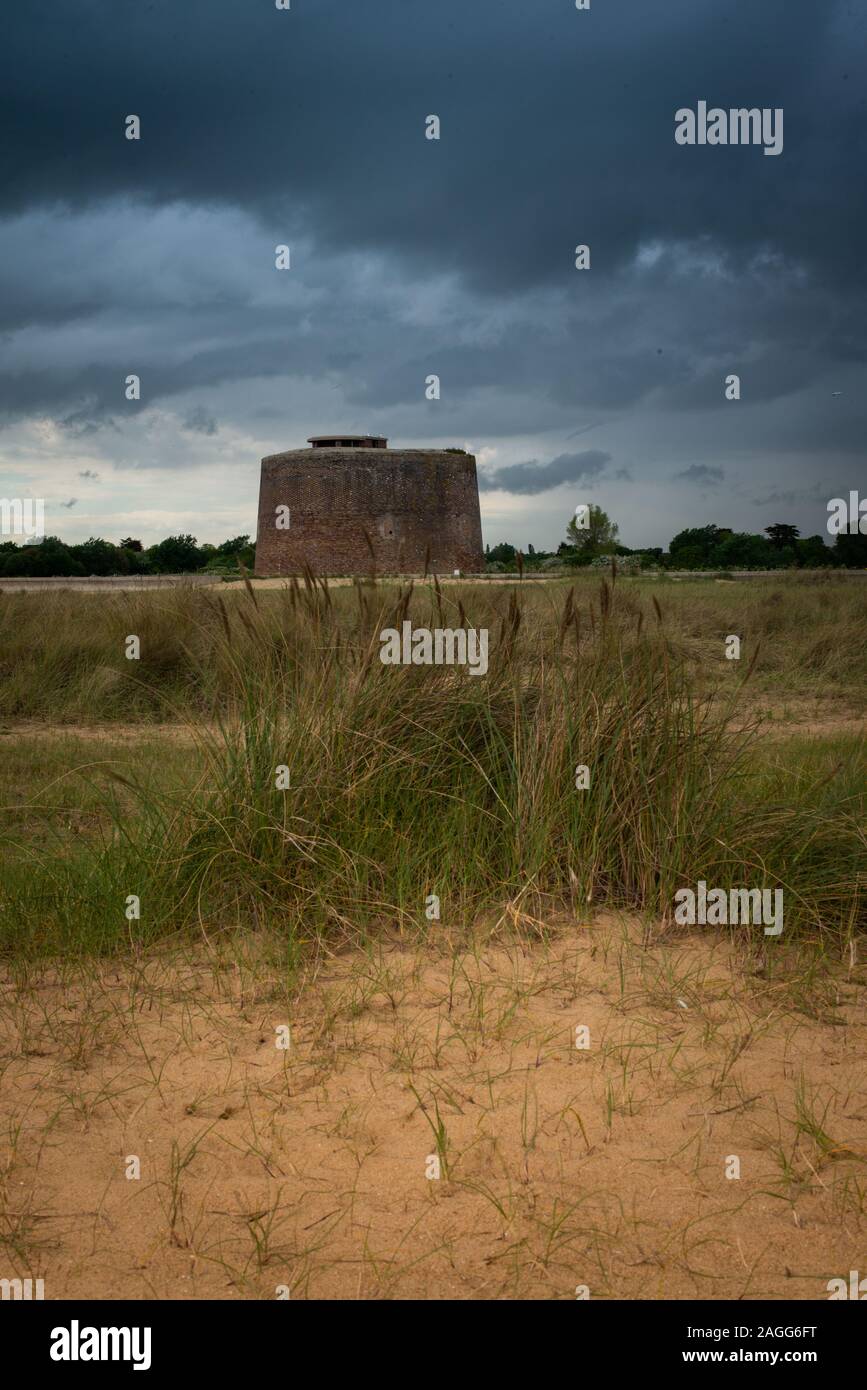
410	781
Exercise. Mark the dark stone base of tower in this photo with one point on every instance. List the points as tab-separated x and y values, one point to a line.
366	508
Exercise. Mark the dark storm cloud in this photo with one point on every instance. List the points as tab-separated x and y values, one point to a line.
198	421
817	494
453	257
531	478
700	473
319	115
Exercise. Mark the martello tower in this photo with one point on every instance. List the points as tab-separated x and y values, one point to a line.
346	496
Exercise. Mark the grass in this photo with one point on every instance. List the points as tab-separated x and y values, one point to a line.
804	627
410	781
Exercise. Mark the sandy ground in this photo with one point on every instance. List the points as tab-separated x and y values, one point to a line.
106	584
130	584
312	1170
820	717
115	732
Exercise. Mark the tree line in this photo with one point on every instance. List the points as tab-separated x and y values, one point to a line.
595	539
51	557
592	542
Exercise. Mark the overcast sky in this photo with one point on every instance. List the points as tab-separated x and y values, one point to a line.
412	257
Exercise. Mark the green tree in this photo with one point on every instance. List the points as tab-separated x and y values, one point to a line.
49	558
97	556
230	553
175	555
598	537
813	552
781	535
234	547
741	550
691	549
851	550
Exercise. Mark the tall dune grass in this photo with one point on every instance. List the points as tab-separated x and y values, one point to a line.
410	781
62	654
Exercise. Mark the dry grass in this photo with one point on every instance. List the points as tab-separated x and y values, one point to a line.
803	627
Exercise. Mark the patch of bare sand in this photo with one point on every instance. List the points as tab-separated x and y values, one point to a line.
816	716
115	732
830	726
559	1166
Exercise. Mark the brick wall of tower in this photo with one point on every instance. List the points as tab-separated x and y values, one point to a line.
406	500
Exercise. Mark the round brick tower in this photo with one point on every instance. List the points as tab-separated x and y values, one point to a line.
349	505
